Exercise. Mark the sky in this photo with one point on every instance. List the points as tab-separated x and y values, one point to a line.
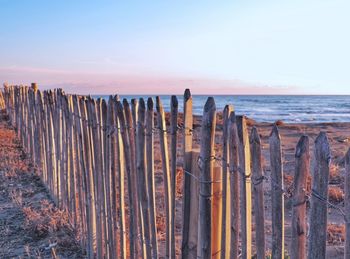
163	47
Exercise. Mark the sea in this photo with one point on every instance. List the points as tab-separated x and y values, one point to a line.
270	108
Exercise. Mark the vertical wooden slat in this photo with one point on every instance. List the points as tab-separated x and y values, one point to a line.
187	166
128	165
226	195
166	174
277	198
318	212
246	198
173	148
299	227
234	186
205	187
143	180
150	175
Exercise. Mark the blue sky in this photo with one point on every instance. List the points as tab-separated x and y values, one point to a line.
165	46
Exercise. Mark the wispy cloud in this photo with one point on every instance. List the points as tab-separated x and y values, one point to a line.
108	83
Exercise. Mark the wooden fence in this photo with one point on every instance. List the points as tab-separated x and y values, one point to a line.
86	150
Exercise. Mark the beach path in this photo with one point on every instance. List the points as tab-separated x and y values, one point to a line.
30	224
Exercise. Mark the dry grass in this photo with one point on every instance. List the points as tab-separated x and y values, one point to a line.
335	234
335	194
334	174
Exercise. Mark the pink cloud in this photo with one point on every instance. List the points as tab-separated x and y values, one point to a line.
100	83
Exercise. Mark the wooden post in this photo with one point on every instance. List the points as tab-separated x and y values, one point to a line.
150	175
258	192
121	179
142	177
173	132
130	120
277	199
216	213
187	166
234	186
318	212
347	205
128	165
299	227
88	175
246	193
226	195
205	188
166	174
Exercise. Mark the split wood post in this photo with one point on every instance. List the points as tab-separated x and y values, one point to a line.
109	173
234	186
88	178
299	227
226	194
277	194
318	212
142	174
130	125
206	161
131	190
216	213
97	168
150	175
194	211
246	192
347	205
80	167
166	174
187	166
102	119
121	179
258	192
173	132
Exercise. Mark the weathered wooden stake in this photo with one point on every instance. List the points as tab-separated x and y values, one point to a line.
277	198
299	228
246	192
258	192
216	213
187	166
347	205
166	174
234	180
318	212
206	161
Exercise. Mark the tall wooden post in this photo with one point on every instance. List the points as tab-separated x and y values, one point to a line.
187	166
347	204
299	227
258	192
205	188
318	212
277	198
234	186
166	174
226	194
246	191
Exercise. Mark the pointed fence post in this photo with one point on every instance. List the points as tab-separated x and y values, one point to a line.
277	198
226	184
246	192
166	174
206	161
187	166
318	212
258	192
299	228
234	184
